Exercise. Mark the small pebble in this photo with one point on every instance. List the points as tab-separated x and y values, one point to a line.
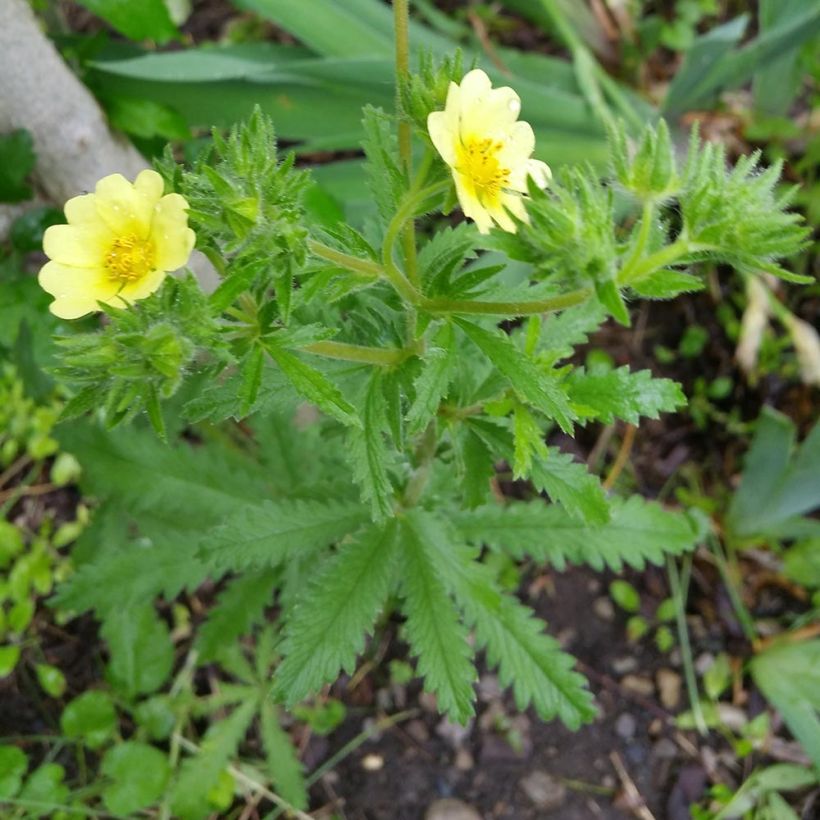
372	763
604	608
669	686
638	685
417	729
451	809
454	733
625	726
623	665
544	790
464	760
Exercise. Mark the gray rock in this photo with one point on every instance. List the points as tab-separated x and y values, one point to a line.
451	809
544	790
625	726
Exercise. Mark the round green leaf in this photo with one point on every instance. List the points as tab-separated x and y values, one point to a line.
46	785
9	655
51	679
13	765
11	542
139	773
90	716
625	595
156	717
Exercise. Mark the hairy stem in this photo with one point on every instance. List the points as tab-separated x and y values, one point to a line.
528	308
384	356
345	260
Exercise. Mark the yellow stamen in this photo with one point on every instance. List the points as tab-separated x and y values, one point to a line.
130	258
477	160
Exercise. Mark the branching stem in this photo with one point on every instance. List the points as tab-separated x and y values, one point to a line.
366	267
384	356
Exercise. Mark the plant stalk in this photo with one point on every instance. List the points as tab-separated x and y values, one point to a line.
384	356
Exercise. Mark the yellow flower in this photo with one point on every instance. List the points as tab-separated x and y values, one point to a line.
488	150
117	247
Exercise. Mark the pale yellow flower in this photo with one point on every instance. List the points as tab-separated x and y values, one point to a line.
117	247
479	136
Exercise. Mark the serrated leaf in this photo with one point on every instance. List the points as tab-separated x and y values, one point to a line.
314	386
528	442
667	284
433	629
434	379
267	534
326	629
368	450
624	394
539	389
639	531
239	607
284	766
562	332
478	468
386	180
199	773
565	480
530	661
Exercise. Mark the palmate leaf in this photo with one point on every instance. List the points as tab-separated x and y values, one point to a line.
368	453
559	475
434	379
198	774
533	386
326	628
267	534
623	394
639	531
161	561
284	766
528	660
433	628
239	607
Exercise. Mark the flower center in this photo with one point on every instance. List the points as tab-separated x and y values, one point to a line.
478	161
130	258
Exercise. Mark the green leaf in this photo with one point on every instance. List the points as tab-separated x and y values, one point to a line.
268	534
51	679
326	629
368	450
562	332
146	118
314	386
16	163
433	628
146	20
539	389
13	766
91	718
139	773
478	468
9	657
528	660
789	676
284	766
777	485
434	379
565	480
142	654
45	785
201	772
638	531
625	595
240	606
528	442
623	394
779	777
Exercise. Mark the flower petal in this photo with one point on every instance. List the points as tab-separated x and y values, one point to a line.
81	246
125	209
443	136
471	205
141	287
82	210
73	307
173	239
493	113
77	283
475	85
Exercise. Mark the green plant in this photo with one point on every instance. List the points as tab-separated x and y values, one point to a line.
30	562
